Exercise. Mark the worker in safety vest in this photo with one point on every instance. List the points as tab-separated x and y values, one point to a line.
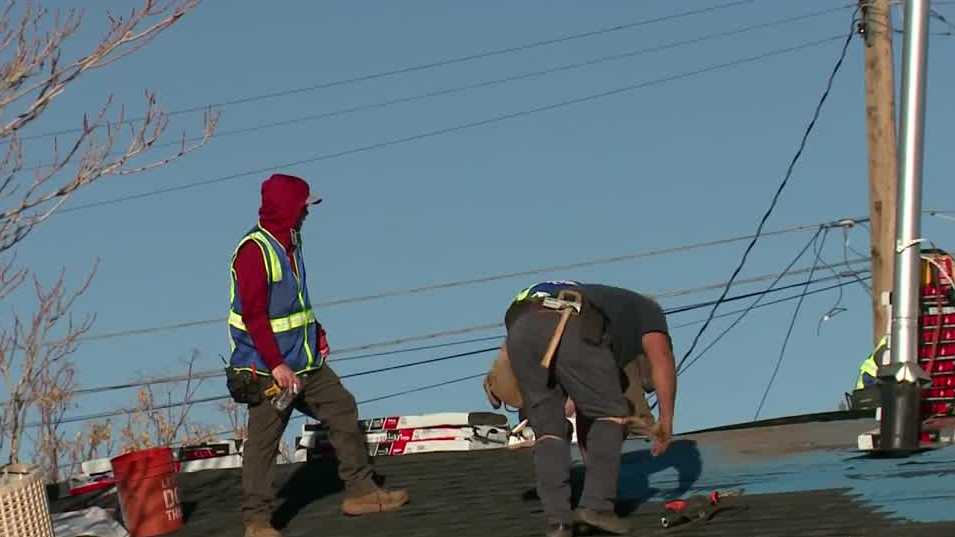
597	330
869	368
277	340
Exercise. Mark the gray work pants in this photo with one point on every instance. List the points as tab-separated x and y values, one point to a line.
589	375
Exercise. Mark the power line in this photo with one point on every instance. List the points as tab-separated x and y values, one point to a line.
109	414
499	325
500	81
425	66
480	280
751	294
951	26
478	375
771	288
836	307
745	281
794	297
388	396
419	362
456	128
754	304
166	406
218	372
779	190
420	388
846	248
679	309
789	332
122	412
423	347
420	337
763	305
203	375
943	215
366	401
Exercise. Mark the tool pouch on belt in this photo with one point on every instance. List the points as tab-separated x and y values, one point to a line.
592	324
243	387
642	373
500	384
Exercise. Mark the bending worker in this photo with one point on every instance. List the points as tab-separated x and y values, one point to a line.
567	340
276	339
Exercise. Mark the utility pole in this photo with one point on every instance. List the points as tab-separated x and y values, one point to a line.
883	160
902	380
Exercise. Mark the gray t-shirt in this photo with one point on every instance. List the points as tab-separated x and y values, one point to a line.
630	315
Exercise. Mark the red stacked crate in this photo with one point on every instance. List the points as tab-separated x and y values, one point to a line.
937	338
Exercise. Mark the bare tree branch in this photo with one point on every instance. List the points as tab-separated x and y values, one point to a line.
94	442
120	34
35	350
36	370
238	416
148	426
87	158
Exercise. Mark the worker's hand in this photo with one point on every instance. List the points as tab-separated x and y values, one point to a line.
285	378
661	433
323	349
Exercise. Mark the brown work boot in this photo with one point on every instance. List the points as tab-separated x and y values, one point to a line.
379	500
605	520
260	529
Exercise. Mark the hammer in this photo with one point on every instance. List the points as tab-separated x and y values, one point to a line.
568	303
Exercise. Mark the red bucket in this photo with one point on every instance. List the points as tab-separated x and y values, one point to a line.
148	492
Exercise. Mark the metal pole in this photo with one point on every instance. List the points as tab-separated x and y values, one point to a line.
900	425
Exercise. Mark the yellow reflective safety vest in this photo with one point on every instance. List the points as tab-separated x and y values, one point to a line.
290	310
869	369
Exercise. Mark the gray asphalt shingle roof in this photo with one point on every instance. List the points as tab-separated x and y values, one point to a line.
801	479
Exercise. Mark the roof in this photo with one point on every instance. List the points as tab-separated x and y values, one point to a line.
801	477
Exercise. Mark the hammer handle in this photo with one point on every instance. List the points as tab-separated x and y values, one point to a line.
555	338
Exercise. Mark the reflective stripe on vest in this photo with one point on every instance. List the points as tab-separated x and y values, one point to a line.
281	324
289	309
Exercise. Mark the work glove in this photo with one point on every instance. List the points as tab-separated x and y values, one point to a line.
323	349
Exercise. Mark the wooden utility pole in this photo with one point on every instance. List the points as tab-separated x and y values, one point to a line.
883	159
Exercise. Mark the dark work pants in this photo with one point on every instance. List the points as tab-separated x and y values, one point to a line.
589	375
324	398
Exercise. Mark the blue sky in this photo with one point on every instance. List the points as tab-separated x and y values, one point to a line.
681	162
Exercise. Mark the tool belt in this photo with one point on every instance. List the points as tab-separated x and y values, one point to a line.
246	388
592	323
641	376
501	386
